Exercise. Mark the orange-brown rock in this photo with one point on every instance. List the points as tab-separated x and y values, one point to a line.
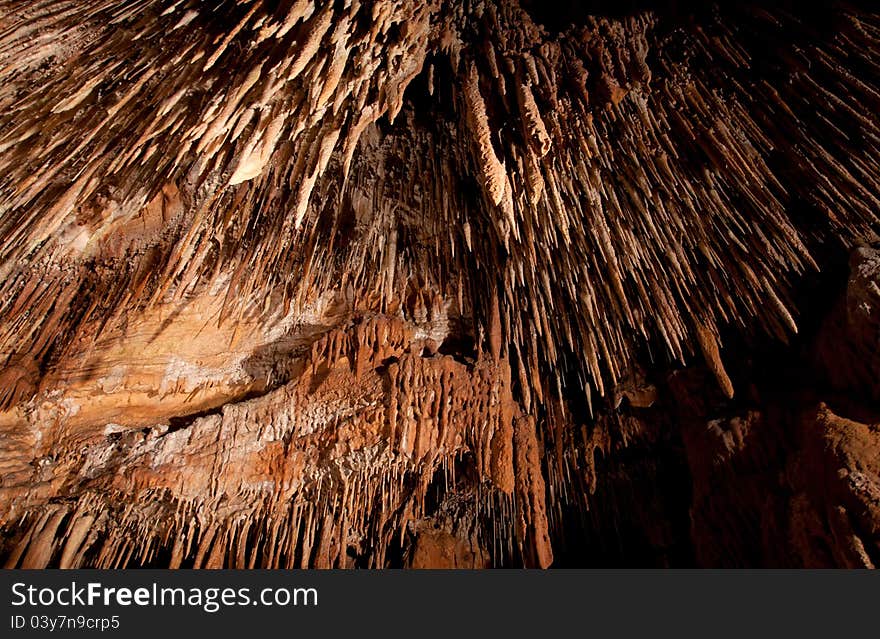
406	283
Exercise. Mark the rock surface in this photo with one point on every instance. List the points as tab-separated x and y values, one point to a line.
438	284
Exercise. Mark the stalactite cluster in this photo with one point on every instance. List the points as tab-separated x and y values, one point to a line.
308	283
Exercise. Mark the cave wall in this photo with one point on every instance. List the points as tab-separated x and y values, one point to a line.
466	284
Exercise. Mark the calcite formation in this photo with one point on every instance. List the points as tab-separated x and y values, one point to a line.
438	284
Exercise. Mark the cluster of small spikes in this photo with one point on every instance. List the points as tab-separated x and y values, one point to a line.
630	185
636	183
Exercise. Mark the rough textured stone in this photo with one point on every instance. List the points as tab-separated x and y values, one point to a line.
406	283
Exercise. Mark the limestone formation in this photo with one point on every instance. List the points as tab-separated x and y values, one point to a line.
438	283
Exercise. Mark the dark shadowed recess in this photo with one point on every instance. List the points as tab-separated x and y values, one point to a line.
559	15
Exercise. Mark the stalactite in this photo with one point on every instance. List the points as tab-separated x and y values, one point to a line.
307	283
